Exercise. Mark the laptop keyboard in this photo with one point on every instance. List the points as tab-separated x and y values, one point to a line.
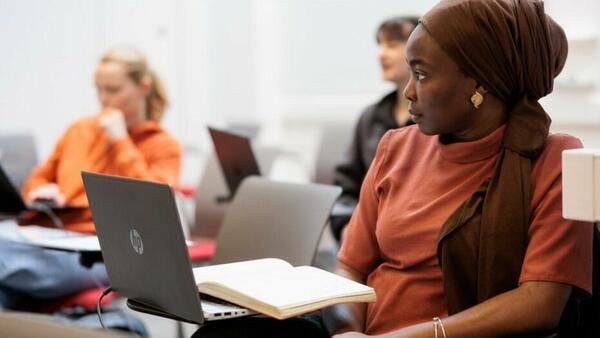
218	307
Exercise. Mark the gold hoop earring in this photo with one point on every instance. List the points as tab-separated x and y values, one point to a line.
476	99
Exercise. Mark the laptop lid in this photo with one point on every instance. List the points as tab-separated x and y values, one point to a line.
236	157
143	245
11	202
272	219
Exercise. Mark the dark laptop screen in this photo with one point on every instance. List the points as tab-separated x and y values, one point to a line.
235	157
11	202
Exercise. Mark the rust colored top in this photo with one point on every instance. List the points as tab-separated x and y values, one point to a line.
413	186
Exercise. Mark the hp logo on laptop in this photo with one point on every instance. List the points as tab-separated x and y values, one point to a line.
136	241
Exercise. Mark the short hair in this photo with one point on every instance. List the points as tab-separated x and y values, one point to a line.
396	28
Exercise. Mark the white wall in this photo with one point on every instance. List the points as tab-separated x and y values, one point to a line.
574	105
51	48
45	52
271	62
331	68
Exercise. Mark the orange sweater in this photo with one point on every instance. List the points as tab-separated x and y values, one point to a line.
149	153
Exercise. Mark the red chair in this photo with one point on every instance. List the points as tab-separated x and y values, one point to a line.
201	250
85	299
187	191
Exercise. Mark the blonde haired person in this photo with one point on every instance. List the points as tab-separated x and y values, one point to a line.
125	138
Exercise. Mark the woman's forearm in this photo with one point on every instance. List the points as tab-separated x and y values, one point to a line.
346	317
532	307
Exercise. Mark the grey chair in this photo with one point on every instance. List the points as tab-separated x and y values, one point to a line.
275	219
18	155
335	140
26	325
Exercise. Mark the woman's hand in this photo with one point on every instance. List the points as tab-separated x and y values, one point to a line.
113	123
47	191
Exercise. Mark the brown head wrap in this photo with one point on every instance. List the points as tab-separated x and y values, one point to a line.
515	51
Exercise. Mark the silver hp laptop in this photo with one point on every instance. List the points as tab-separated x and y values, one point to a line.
144	249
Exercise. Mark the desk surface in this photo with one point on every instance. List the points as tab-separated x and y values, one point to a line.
59	239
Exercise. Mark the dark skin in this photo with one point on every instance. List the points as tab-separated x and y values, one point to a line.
439	101
439	94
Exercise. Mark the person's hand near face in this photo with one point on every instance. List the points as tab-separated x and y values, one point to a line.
113	123
123	100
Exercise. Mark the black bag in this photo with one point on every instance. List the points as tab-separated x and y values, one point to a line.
581	317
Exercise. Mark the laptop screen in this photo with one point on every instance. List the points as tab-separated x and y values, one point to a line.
11	202
235	156
143	247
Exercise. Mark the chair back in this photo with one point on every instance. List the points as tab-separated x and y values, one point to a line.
334	143
26	325
18	155
270	219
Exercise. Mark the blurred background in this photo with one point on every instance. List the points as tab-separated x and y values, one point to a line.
288	72
287	67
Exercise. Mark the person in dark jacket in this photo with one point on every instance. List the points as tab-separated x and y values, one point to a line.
388	113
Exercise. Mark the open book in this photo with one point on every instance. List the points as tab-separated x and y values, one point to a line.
275	288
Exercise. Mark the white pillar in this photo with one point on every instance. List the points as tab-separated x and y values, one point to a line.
267	52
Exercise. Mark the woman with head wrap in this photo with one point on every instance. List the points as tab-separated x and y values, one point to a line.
465	238
458	226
